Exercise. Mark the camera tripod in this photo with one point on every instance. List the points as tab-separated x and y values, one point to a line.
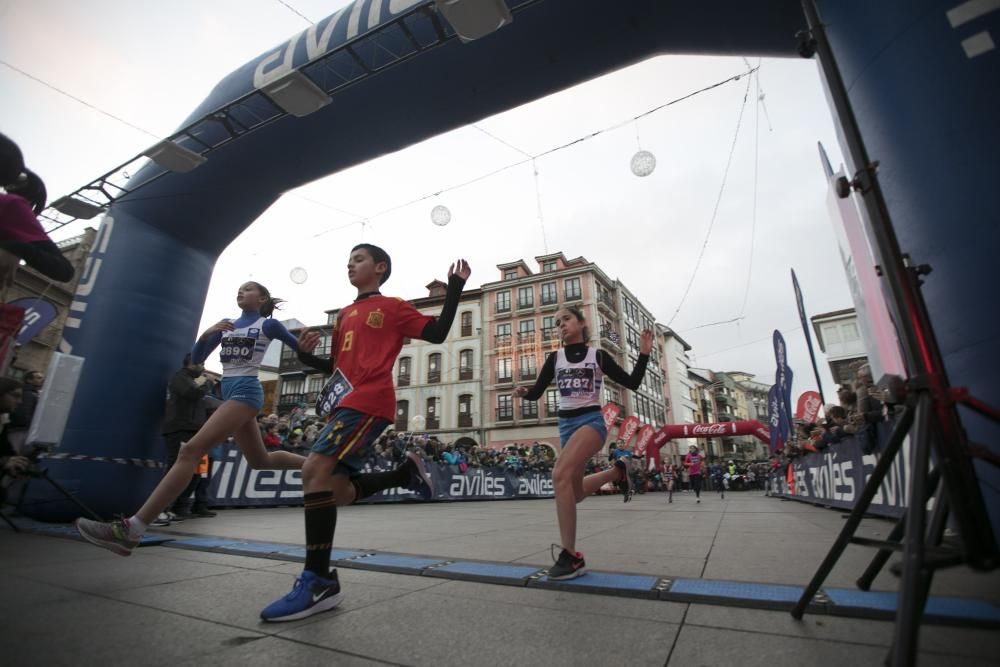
34	472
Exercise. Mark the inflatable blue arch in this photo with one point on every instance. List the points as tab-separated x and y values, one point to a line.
380	75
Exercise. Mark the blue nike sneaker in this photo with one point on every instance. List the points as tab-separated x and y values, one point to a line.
310	595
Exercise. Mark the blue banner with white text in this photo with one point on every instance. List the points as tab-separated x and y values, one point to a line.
235	484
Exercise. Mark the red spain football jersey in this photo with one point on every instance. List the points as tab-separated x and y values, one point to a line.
367	340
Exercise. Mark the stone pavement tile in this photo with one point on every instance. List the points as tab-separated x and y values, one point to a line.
112	572
461	548
20	548
637	543
19	593
697	646
430	629
94	631
237	598
616	561
938	639
277	652
584	603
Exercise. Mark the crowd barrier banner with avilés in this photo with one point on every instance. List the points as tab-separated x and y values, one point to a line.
837	475
235	484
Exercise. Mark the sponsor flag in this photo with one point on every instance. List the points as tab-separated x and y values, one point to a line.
611	412
642	441
805	330
628	429
774	418
38	313
783	379
808	407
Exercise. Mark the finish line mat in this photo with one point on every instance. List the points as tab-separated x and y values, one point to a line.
943	610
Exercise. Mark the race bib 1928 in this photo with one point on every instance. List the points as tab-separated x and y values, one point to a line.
337	387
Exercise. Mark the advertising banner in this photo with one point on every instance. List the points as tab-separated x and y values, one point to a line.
837	475
235	484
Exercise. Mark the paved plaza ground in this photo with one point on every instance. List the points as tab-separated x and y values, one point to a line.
67	602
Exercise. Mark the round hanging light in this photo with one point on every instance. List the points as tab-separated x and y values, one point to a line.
643	163
298	275
440	215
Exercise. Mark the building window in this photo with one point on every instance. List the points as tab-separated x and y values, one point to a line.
526	332
571	288
525	297
549	331
403	379
529	409
503	334
466	322
315	384
293	386
548	267
402	415
504	369
465	410
549	295
287	352
434	368
529	369
510	274
505	408
323	347
433	413
503	301
552	403
465	365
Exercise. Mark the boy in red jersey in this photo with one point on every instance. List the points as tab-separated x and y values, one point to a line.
361	400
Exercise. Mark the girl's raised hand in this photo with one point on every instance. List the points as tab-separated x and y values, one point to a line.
461	269
646	342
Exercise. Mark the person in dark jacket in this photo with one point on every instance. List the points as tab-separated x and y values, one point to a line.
186	412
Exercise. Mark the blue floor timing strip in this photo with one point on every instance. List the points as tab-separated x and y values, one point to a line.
847	602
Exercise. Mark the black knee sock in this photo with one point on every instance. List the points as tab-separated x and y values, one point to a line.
321	522
373	482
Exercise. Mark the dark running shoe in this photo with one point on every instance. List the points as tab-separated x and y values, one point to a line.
625	483
310	595
568	566
420	482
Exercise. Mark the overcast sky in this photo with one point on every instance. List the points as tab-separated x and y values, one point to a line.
150	64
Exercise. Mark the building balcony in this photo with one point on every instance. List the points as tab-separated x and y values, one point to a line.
572	296
293	365
503	341
465	374
552	411
465	421
505	414
526	338
403	380
467	331
606	301
529	411
432	424
549	300
525	305
611	336
433	377
505	379
528	374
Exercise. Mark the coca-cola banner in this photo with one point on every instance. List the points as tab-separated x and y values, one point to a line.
628	429
611	412
837	475
723	429
808	407
234	484
642	441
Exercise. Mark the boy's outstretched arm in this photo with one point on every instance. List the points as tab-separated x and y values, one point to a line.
436	330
